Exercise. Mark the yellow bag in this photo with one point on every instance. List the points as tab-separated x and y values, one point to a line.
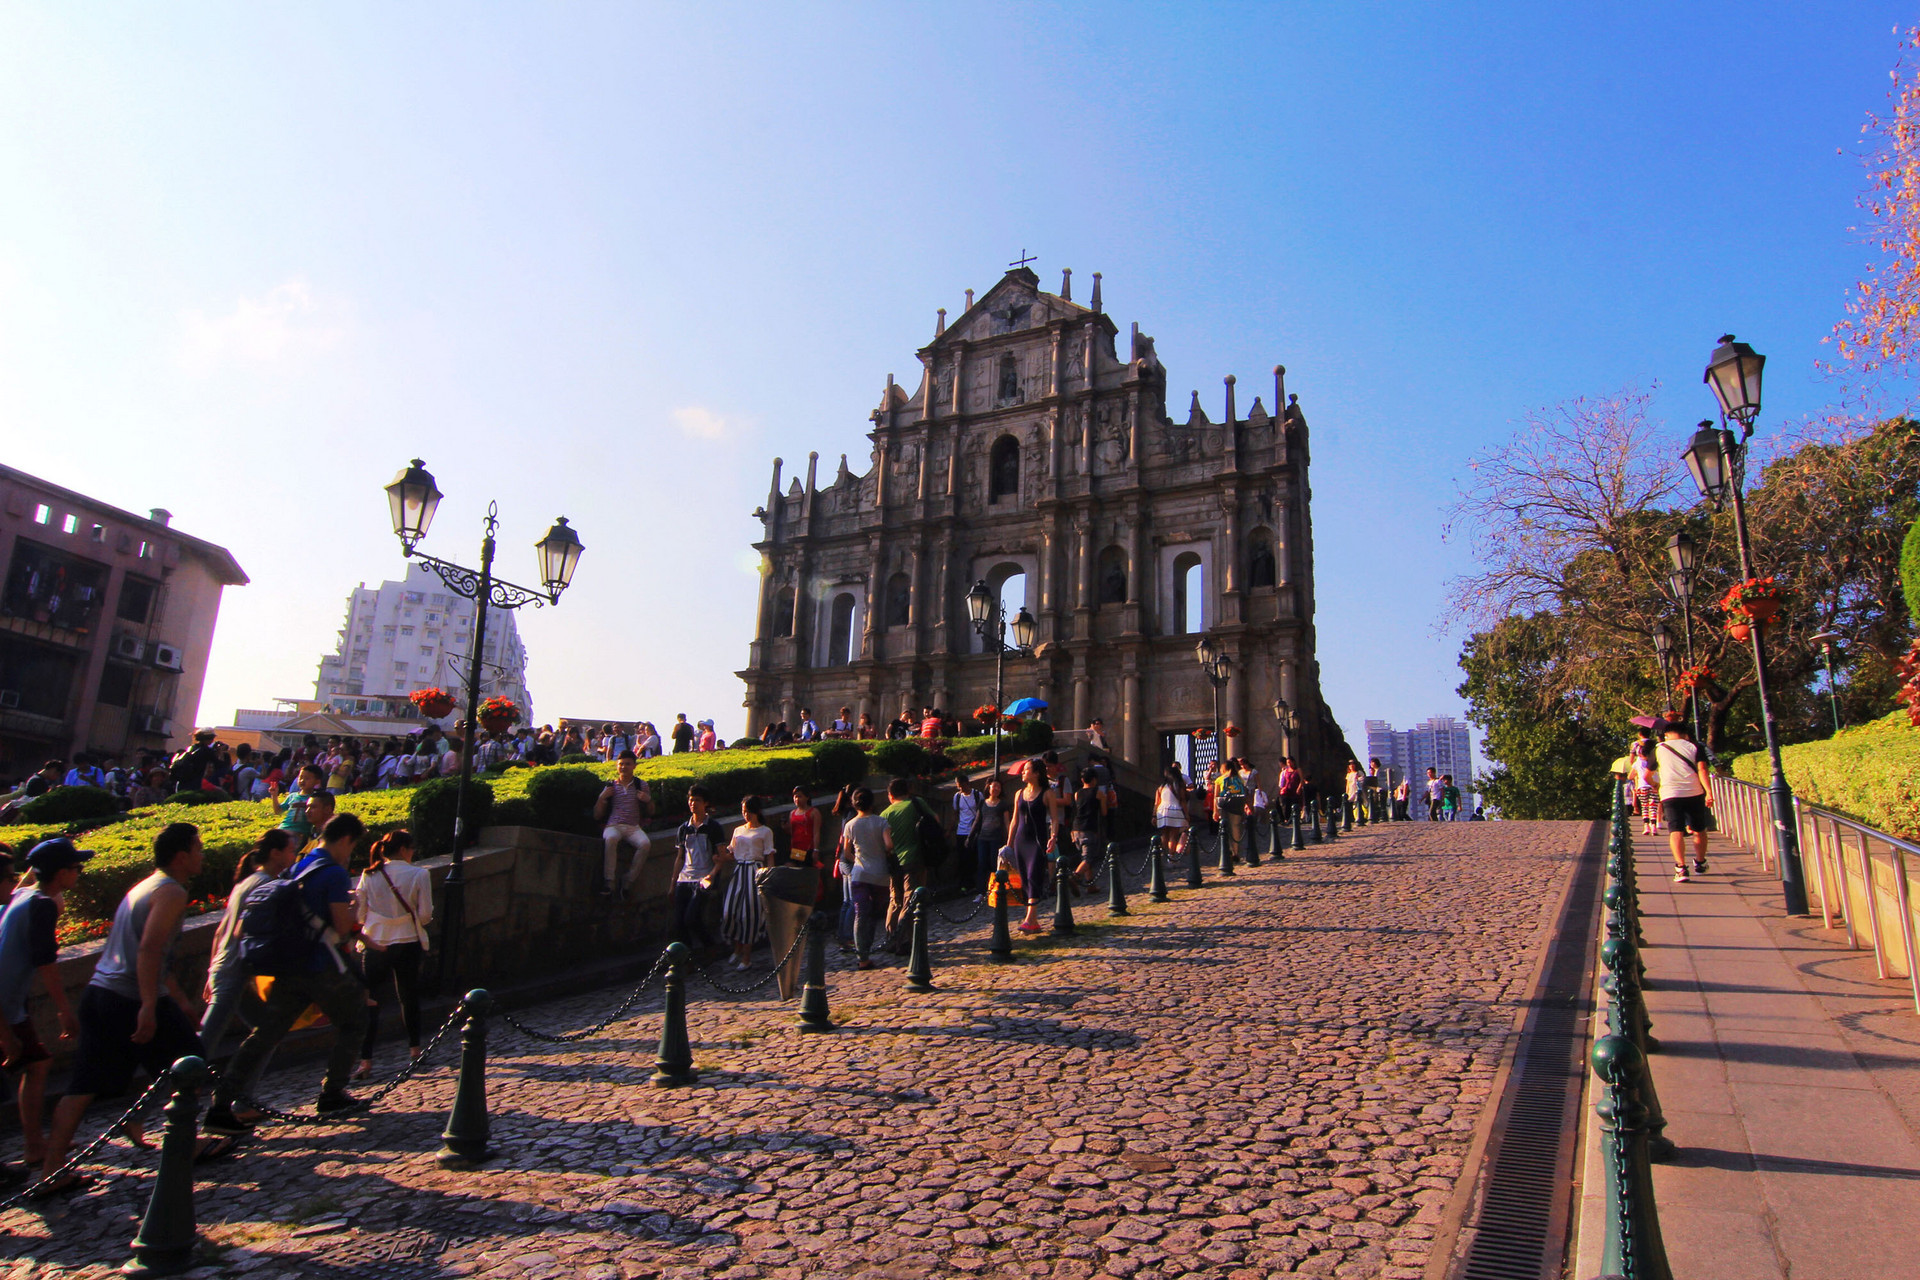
310	1017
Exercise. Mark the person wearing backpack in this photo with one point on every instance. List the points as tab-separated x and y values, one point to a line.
297	930
1686	796
919	844
229	990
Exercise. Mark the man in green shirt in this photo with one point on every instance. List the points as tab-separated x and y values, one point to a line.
903	814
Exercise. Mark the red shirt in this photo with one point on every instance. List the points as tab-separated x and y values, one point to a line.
930	727
803	829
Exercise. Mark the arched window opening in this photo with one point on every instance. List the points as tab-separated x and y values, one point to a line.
1112	586
1009	389
899	601
1004	480
1189	594
783	612
840	631
1260	565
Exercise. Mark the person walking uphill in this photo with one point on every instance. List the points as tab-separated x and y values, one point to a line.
297	931
29	945
132	1015
908	818
394	902
1686	794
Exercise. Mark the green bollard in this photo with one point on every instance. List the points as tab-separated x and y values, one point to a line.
920	958
1313	812
1293	819
1346	814
814	1013
1633	1246
1062	904
674	1065
1116	891
1253	828
1156	871
1001	950
168	1233
1332	806
1226	847
468	1128
1193	858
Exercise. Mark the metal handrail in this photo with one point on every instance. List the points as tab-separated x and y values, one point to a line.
1842	872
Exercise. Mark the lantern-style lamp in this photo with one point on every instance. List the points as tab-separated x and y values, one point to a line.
413	497
1733	371
559	554
1023	627
1681	550
980	603
1663	642
1708	463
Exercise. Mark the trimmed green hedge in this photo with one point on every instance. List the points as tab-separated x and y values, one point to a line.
71	804
1871	774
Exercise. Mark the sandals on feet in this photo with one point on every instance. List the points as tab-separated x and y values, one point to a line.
46	1189
215	1148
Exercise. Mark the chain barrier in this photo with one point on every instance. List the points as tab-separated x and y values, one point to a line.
638	994
760	982
979	902
85	1153
379	1095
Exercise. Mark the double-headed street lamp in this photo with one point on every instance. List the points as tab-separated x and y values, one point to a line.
1717	462
1663	650
990	621
1288	723
1217	664
414	497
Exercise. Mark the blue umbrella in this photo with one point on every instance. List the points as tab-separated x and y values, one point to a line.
1025	706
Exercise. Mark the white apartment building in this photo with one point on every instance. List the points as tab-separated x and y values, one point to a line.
1442	743
415	634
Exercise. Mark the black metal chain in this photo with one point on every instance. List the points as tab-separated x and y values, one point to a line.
978	903
638	994
769	976
405	1074
81	1156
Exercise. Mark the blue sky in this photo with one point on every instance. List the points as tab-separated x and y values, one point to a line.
608	260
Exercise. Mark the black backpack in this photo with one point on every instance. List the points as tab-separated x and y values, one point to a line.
277	931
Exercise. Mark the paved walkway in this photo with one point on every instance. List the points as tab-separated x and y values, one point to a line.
1281	1073
1790	1078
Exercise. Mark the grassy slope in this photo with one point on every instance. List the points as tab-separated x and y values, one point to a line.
1871	774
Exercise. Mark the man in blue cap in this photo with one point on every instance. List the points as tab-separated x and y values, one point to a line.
29	945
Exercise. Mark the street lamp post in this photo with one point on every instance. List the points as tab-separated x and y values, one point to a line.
1680	550
1217	665
1663	650
1825	640
1717	462
414	497
990	621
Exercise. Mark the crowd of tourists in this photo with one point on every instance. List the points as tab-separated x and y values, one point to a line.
1669	787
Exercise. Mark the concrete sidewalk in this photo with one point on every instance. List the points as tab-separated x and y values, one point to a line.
1790	1077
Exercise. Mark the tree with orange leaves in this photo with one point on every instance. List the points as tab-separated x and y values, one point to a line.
1882	328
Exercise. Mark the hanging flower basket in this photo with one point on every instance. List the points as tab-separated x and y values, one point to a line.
1233	730
433	703
1758	600
1203	733
1740	630
987	714
497	715
1692	678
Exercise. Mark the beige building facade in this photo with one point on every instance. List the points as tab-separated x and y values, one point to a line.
106	619
1033	457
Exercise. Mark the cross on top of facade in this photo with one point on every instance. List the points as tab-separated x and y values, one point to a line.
1023	259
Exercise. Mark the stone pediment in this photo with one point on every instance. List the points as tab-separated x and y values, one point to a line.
1015	305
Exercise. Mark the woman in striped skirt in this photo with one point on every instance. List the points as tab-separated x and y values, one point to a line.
742	917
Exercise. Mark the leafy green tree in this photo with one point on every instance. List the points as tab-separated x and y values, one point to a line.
1550	752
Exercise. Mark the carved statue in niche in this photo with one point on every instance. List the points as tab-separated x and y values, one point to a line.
1176	441
943	383
903	479
1038	451
1109	439
1009	387
1076	363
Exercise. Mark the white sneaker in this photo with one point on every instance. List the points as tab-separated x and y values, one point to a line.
1680	875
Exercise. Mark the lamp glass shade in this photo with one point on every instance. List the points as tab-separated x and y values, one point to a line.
1733	371
1681	551
1707	463
1205	651
1223	667
414	497
559	554
1682	586
1280	710
979	603
1662	641
1023	626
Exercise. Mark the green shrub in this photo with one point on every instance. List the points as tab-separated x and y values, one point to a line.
197	797
71	804
431	811
563	799
741	743
1870	773
1910	572
838	763
517	812
906	758
1032	736
577	757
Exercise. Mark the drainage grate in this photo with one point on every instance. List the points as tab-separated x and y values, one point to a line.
1520	1231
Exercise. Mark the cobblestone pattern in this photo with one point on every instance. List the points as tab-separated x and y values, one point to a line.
1279	1073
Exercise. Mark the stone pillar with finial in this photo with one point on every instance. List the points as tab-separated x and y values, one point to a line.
1066	284
940	325
1230	434
1094	302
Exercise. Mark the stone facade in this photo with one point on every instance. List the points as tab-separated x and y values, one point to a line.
1031	451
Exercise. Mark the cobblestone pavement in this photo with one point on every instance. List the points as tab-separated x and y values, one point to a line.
1277	1073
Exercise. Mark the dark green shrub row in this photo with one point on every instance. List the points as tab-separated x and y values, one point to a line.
71	804
431	811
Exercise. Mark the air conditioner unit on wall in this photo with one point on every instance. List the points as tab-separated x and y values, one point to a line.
156	724
9	699
130	647
168	657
